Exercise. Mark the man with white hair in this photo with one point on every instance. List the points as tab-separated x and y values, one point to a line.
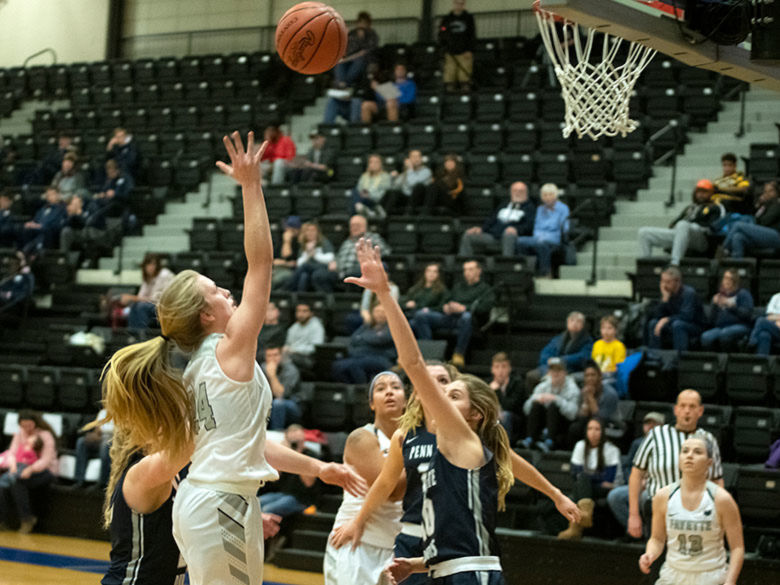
550	226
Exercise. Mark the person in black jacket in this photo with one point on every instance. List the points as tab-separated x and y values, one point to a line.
123	150
458	36
509	391
679	317
468	299
85	228
502	229
689	230
765	233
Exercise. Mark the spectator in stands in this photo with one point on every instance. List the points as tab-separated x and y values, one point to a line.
371	189
52	162
343	104
573	346
43	230
657	461
551	226
679	318
122	149
291	494
429	292
84	230
446	191
9	227
279	152
346	262
316	254
371	350
732	190
608	351
731	315
362	41
317	165
501	230
689	231
651	420
509	391
7	152
94	443
409	185
764	233
69	180
458	38
273	332
597	399
470	299
17	284
284	378
595	465
766	331
550	409
16	483
114	196
302	337
394	98
286	255
141	308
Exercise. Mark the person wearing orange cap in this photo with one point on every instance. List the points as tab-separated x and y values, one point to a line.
689	230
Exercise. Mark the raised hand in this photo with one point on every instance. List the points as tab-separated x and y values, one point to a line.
345	477
373	275
244	165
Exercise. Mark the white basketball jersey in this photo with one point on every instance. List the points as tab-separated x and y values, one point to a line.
694	538
385	523
230	424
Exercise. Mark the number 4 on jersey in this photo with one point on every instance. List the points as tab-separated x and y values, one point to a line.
203	411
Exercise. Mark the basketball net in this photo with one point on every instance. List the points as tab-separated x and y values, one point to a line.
596	94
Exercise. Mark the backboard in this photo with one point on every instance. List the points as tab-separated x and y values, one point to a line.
653	23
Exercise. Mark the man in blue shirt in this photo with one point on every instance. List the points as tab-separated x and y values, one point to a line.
397	107
679	317
550	225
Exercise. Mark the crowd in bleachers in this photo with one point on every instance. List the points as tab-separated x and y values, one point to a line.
468	176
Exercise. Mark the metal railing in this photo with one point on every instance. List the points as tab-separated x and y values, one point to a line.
39	53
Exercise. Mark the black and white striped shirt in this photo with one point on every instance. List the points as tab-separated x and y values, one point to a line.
659	456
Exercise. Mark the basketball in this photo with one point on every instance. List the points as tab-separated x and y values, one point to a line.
311	38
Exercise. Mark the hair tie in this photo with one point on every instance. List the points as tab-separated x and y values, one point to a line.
165	337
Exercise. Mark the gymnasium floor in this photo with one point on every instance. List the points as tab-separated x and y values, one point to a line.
37	559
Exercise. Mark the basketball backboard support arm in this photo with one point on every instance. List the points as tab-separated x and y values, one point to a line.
662	34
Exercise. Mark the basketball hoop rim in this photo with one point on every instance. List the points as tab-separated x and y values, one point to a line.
546	14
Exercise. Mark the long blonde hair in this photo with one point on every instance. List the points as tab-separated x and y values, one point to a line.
484	400
144	393
414	416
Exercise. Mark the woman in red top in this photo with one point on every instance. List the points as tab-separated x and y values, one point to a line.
20	478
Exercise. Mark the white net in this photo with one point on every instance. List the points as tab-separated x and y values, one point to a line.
596	92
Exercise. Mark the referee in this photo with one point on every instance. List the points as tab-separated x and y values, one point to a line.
657	462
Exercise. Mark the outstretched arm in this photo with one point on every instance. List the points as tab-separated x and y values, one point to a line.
290	461
454	437
236	352
381	490
531	476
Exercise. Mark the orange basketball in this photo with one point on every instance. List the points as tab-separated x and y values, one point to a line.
311	37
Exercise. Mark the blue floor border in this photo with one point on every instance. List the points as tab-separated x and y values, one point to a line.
29	557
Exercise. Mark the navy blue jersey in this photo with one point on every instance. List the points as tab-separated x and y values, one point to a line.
418	447
143	551
459	510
